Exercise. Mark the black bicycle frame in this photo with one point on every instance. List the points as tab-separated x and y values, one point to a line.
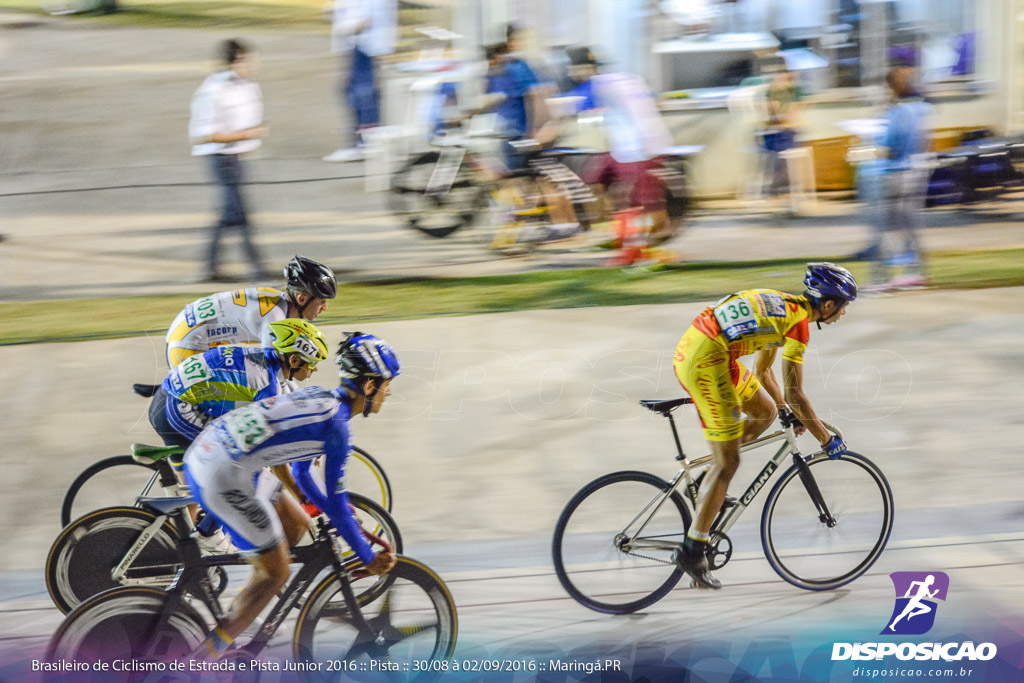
193	578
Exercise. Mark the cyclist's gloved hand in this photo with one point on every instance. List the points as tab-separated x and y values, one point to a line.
312	510
382	563
834	447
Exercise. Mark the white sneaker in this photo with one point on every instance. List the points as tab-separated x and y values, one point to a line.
348	154
216	543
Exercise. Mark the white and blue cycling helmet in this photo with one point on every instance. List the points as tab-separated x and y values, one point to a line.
825	280
365	356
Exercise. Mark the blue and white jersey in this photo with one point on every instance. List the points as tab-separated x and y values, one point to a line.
302	425
294	429
218	381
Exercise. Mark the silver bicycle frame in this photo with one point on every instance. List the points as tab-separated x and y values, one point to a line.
725	522
117	574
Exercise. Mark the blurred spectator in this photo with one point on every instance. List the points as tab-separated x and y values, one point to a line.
362	30
582	69
635	133
782	101
895	186
227	122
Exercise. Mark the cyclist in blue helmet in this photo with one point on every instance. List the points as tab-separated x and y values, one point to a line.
367	365
290	431
758	322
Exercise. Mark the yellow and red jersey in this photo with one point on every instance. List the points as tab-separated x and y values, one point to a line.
756	319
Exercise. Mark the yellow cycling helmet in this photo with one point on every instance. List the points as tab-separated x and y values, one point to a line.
295	335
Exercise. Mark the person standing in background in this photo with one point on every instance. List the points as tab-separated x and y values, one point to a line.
226	123
363	30
896	184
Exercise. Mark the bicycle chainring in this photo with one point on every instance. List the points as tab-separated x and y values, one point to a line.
719	550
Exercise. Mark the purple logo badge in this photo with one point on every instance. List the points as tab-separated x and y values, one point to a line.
916	593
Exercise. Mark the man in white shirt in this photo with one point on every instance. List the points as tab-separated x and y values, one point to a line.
363	30
227	122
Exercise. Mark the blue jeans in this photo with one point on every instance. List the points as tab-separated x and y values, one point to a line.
227	169
361	92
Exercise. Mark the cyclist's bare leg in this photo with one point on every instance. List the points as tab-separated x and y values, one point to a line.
726	461
270	570
760	412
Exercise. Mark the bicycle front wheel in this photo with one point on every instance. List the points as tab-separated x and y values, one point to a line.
824	550
118	480
613	542
414	627
124	624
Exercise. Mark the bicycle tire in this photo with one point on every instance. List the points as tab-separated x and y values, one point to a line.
407	198
380	491
66	509
563	564
385	528
108	627
410	581
82	557
771	535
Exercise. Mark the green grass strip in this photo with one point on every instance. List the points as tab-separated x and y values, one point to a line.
79	319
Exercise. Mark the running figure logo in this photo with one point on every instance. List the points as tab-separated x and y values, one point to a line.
916	593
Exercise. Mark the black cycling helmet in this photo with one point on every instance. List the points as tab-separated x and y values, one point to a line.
311	277
825	280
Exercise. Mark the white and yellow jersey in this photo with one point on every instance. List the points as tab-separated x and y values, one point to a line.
238	317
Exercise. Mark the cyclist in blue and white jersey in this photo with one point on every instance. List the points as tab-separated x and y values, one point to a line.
243	316
222	463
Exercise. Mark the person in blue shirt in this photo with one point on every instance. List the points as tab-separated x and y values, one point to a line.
294	429
582	69
895	186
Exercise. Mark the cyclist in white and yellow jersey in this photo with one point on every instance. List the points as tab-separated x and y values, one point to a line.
243	316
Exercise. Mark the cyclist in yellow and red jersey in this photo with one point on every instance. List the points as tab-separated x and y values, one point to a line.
243	316
706	363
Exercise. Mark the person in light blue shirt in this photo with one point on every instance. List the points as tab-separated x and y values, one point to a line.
894	186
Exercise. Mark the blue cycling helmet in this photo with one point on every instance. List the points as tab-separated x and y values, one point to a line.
362	356
825	280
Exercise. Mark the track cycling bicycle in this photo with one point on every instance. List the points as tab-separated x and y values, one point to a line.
121	546
824	523
347	621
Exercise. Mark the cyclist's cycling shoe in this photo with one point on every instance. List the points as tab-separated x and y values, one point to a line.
695	564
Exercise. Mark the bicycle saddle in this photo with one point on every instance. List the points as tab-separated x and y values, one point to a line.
146	390
145	455
665	406
165	506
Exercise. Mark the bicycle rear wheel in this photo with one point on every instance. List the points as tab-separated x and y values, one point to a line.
821	555
436	215
118	480
614	540
414	622
119	625
85	553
